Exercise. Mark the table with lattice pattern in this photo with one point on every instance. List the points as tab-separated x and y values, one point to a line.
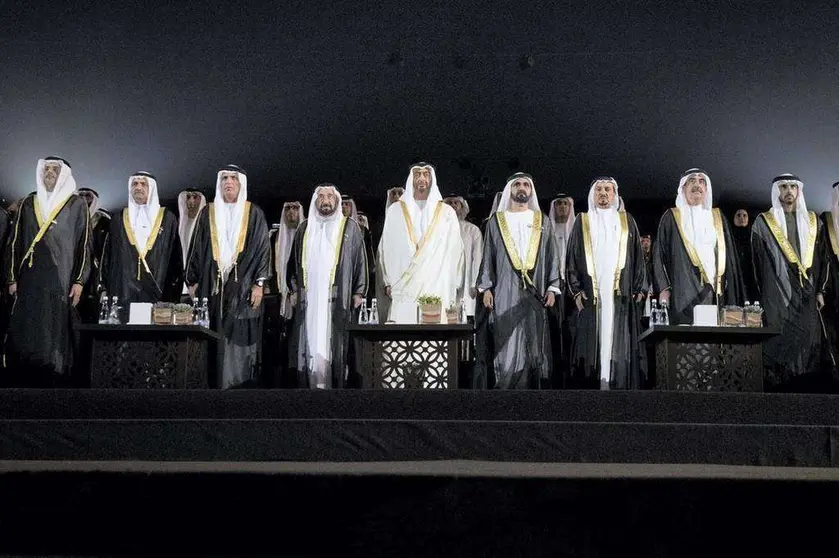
409	356
148	356
702	358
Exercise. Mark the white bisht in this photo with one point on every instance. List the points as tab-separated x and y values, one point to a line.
421	251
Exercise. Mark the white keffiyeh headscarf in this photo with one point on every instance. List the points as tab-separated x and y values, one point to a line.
65	185
228	217
697	223
801	216
141	217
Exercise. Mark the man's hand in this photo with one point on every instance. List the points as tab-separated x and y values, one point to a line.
356	300
664	296
578	300
256	296
387	291
12	289
820	301
473	292
639	297
488	300
550	299
292	298
76	293
192	289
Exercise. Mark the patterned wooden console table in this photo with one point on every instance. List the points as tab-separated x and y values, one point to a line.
693	358
412	356
148	356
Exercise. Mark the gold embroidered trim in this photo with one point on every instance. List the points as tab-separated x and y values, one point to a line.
43	226
141	252
532	249
589	251
624	240
786	247
691	249
831	232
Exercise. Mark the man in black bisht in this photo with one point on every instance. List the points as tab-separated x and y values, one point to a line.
830	311
145	263
518	281
49	261
228	263
606	279
100	224
694	258
791	271
328	280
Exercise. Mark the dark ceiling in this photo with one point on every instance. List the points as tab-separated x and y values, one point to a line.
348	92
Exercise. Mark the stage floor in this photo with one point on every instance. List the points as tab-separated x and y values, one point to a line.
302	426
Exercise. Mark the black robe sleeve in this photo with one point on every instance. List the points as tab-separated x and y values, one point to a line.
636	253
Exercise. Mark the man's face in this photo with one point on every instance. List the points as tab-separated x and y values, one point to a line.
695	189
646	243
562	210
455	204
741	218
140	190
326	202
521	190
230	186
87	196
51	172
788	193
346	208
604	194
394	194
291	215
422	179
193	204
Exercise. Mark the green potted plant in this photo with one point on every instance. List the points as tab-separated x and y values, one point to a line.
431	307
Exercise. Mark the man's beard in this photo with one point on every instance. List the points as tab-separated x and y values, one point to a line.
326	210
521	197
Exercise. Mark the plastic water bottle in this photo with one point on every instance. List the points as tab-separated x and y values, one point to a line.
104	309
113	314
363	316
374	312
654	313
665	315
205	313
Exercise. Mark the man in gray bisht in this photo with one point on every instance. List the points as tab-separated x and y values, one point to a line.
328	278
519	279
792	275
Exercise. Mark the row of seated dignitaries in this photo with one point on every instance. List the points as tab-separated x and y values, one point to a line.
557	300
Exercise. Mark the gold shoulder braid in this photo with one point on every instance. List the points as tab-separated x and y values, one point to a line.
787	249
624	240
532	249
589	251
43	226
141	252
831	232
691	249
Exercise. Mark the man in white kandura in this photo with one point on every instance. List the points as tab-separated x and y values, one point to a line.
421	251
